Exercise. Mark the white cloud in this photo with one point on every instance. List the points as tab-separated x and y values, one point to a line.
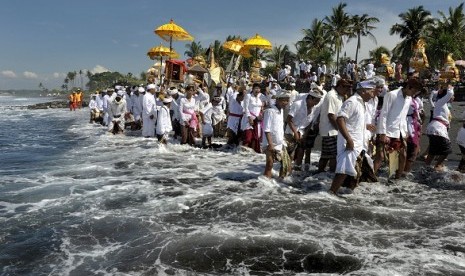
30	75
99	69
9	74
57	75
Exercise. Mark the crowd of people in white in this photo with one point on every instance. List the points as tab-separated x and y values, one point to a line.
357	121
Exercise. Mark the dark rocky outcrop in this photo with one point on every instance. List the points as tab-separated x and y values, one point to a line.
54	104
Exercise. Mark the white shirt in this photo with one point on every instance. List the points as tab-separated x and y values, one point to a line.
252	108
439	125
187	108
163	121
353	110
273	122
117	108
175	107
99	100
93	104
106	102
332	102
149	105
432	97
299	113
235	113
136	104
393	117
370	116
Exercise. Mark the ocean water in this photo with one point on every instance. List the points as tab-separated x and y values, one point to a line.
75	200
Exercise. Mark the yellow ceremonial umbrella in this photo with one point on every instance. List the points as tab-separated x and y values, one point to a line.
257	42
161	51
171	31
234	46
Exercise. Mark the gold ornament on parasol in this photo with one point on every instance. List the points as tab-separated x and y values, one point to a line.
161	51
171	31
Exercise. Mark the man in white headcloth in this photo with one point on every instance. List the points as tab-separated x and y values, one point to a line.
303	69
211	115
351	136
235	113
302	111
117	112
372	112
176	116
335	78
313	77
99	100
93	107
136	107
164	125
107	98
274	143
324	71
370	72
149	114
273	89
294	94
308	71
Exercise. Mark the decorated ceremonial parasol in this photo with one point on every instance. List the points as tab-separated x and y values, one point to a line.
171	31
234	46
257	42
161	51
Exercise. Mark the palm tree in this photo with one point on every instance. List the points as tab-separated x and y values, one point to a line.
219	53
447	36
66	81
454	23
80	78
315	40
194	49
278	54
362	26
301	50
338	25
415	23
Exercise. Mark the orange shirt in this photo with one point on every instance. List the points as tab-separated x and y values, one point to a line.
79	97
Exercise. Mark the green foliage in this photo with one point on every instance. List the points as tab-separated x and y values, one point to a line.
107	79
194	49
280	55
415	24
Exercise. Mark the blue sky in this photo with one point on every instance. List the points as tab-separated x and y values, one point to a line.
40	41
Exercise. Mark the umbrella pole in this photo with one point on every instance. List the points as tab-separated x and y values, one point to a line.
171	49
161	68
171	45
